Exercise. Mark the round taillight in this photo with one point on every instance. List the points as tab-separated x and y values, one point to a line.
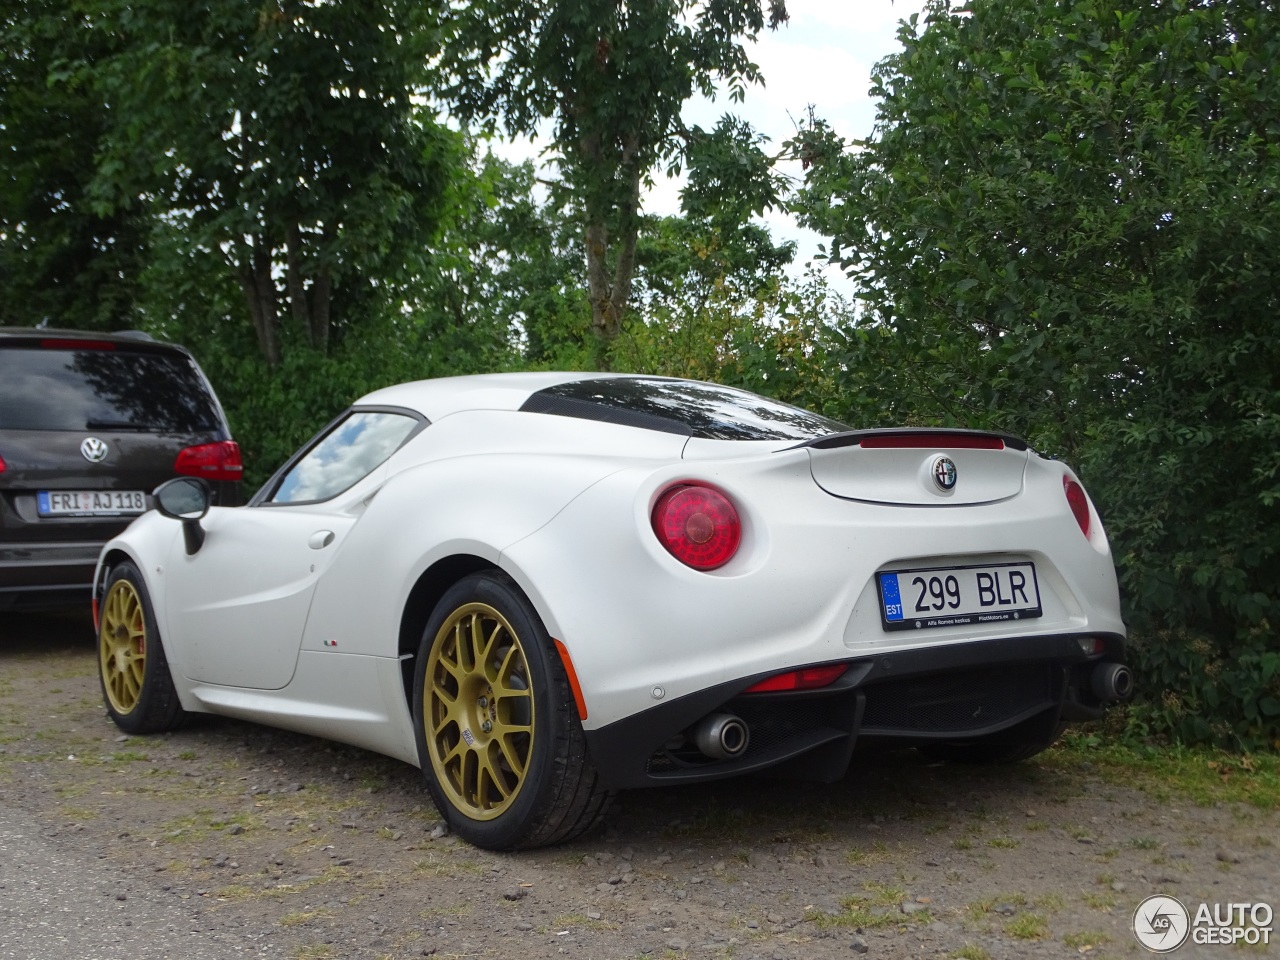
1078	503
698	525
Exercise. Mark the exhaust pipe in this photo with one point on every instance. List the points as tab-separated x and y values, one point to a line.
722	736
1112	681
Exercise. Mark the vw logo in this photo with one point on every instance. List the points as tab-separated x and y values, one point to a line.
93	450
944	473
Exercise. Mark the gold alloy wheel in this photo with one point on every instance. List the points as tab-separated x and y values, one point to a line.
478	712
122	646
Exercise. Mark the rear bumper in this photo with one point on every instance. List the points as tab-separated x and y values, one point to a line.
951	692
44	575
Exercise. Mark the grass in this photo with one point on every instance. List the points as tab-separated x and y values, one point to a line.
969	952
1027	926
1099	901
1172	772
982	908
1004	843
877	910
878	853
238	892
1085	941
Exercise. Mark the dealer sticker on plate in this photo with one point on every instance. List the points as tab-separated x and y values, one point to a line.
90	503
957	596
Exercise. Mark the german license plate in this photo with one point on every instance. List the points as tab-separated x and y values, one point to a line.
90	503
958	596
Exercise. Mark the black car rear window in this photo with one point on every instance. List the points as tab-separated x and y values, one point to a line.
705	410
45	388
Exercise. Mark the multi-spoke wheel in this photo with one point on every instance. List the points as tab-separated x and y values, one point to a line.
136	683
499	739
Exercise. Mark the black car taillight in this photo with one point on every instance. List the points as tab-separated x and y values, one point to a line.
63	344
212	461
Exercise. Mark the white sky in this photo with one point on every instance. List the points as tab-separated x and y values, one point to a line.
823	57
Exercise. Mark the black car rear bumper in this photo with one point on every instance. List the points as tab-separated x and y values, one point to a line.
42	575
954	692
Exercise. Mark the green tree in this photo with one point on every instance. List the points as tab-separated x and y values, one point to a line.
283	136
1066	225
61	262
613	77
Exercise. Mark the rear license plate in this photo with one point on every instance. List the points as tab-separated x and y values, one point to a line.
90	503
956	596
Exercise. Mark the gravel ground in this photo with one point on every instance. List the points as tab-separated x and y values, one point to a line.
253	842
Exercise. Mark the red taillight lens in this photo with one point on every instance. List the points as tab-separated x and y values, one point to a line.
810	678
1	464
213	461
698	526
1078	502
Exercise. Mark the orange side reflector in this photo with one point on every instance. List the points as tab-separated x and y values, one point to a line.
572	674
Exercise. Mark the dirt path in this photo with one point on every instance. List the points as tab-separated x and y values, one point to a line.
311	849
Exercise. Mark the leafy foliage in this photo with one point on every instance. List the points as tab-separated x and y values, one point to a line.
61	262
282	136
1066	223
613	77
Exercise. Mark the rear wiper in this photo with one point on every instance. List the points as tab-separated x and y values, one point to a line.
114	425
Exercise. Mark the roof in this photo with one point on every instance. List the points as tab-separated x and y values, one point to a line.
439	398
133	339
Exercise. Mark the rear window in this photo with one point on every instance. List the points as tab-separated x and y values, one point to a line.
120	389
705	410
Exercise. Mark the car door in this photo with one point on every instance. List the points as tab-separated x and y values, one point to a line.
240	603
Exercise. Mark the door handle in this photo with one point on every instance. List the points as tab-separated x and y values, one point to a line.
320	539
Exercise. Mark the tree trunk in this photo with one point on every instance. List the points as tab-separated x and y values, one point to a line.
321	299
295	282
609	295
604	319
260	295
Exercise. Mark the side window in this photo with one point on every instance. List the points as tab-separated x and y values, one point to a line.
352	450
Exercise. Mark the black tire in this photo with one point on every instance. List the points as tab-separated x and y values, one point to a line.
499	740
132	668
1020	742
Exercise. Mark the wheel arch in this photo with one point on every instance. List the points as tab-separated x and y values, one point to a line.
111	558
423	597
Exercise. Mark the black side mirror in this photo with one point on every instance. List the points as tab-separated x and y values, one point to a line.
185	499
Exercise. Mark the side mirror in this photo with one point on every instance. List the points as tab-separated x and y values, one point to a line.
185	499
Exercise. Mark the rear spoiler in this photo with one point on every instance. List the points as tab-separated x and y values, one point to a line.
916	437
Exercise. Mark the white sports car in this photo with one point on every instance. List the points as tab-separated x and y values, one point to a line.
541	588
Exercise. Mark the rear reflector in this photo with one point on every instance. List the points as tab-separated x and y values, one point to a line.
931	441
809	678
213	461
1	464
55	344
572	676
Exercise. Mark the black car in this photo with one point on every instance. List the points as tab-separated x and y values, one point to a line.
90	424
